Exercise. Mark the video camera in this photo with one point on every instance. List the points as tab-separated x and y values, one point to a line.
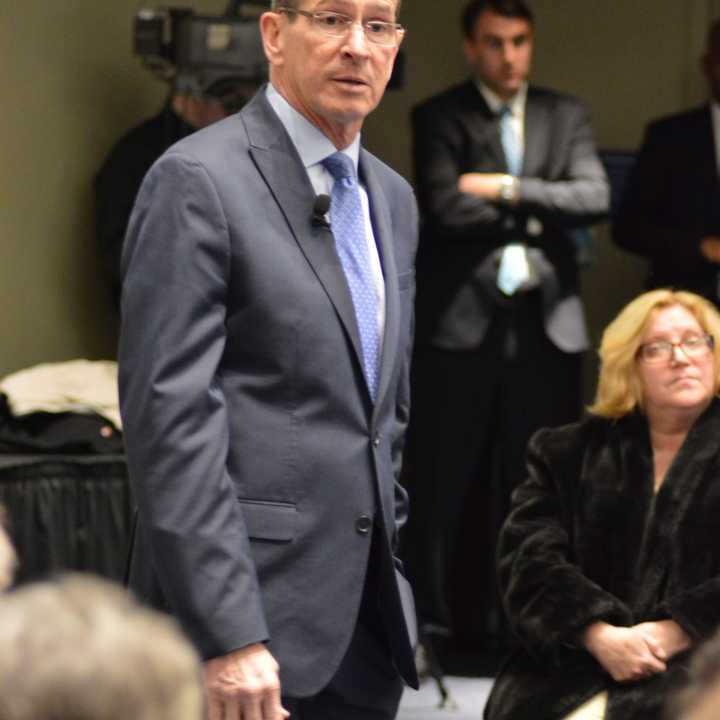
218	56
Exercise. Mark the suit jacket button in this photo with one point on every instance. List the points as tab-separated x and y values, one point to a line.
363	524
376	440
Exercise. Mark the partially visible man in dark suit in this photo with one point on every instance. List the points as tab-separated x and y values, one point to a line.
264	381
505	172
670	210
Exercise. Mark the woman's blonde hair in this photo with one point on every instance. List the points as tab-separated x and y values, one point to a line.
619	391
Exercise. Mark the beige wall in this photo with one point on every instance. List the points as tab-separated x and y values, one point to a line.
72	88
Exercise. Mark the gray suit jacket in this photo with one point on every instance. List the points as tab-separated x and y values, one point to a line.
562	186
256	455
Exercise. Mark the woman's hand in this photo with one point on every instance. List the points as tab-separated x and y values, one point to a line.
627	653
667	634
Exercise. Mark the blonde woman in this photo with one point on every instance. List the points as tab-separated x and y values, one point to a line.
609	562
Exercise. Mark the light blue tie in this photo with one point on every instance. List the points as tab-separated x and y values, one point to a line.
514	269
510	141
348	227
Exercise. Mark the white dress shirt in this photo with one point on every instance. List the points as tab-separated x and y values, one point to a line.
313	147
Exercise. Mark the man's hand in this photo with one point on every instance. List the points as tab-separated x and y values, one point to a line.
710	248
484	185
244	685
666	634
626	653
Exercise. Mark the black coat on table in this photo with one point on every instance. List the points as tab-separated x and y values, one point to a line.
588	540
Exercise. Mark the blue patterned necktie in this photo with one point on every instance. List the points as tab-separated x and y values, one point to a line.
514	269
348	227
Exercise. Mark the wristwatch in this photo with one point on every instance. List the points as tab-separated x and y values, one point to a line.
508	189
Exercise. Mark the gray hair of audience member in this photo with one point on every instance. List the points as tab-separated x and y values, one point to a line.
80	648
700	698
8	556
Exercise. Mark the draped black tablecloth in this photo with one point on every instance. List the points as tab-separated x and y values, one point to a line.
67	512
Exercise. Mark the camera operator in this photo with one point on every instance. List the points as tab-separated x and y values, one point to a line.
120	175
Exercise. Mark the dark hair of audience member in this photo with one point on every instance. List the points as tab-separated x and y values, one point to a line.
506	8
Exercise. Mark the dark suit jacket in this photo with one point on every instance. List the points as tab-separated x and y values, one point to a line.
562	186
256	455
586	541
672	200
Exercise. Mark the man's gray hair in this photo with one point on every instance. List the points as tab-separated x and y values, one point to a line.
81	649
279	4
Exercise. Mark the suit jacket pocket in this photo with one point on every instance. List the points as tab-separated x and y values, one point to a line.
268	520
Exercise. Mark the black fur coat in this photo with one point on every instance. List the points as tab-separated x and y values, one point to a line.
587	539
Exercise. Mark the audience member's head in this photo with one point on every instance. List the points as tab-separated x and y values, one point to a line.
619	389
711	60
221	99
515	9
81	649
8	557
498	43
700	698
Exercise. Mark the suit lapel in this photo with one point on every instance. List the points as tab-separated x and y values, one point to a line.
279	164
485	127
537	131
382	229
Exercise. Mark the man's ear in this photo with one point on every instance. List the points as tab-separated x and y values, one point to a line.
270	26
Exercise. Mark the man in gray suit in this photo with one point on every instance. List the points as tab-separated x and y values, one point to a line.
504	172
264	381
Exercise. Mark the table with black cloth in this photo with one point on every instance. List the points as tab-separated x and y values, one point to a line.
67	512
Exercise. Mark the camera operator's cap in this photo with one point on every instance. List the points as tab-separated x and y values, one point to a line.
232	92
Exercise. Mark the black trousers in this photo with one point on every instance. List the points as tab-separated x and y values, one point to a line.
366	686
473	412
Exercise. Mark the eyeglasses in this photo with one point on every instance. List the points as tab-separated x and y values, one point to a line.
337	25
659	351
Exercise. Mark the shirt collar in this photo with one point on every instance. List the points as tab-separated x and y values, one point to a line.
312	145
495	103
